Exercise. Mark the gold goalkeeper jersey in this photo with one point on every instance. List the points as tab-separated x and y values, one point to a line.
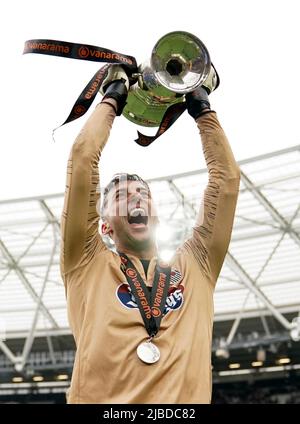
103	315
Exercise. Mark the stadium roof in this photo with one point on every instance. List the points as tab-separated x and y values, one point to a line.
260	277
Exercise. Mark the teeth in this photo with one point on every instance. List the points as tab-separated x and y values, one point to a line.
137	211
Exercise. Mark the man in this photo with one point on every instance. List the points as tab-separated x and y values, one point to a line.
126	354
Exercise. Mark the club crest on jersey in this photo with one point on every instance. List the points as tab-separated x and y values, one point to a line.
174	299
176	277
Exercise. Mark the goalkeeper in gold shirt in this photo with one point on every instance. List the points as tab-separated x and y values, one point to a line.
143	328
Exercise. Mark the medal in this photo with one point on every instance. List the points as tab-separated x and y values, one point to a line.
148	352
151	306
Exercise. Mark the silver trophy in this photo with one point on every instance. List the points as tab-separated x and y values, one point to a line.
179	63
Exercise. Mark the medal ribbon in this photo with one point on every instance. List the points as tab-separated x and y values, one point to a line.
151	306
87	96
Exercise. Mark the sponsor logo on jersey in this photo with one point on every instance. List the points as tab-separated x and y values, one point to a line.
174	299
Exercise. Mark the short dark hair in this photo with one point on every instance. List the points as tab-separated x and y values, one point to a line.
117	178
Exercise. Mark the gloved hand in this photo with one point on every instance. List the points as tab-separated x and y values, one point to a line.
114	73
197	101
115	86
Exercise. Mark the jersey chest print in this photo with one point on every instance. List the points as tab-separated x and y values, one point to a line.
174	299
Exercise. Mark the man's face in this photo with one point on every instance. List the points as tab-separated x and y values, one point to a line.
131	215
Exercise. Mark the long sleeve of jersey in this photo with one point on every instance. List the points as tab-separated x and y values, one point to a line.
212	232
80	218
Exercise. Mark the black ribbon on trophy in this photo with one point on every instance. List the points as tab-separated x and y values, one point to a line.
179	63
151	305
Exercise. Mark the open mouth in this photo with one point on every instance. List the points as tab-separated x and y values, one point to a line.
137	216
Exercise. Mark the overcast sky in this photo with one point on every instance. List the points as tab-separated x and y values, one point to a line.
253	44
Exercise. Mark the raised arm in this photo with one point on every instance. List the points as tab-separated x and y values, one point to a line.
80	218
212	232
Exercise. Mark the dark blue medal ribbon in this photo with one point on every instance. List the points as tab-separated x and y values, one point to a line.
87	96
151	306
